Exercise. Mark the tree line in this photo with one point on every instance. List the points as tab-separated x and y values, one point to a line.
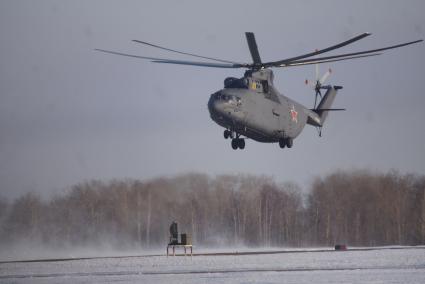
357	208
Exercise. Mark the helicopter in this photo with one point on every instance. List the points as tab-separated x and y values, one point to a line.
251	107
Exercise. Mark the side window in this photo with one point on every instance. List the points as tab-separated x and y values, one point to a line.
265	86
253	85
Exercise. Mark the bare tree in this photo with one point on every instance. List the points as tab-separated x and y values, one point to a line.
354	207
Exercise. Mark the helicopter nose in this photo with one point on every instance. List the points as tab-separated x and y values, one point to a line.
214	103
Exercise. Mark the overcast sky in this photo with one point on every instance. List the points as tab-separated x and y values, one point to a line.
69	114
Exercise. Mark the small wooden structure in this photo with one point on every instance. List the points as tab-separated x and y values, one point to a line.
185	247
185	241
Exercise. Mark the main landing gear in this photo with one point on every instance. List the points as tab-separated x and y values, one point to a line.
236	141
288	142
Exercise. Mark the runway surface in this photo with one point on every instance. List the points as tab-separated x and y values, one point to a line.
359	265
229	253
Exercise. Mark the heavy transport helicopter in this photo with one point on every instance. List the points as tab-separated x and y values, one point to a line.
252	107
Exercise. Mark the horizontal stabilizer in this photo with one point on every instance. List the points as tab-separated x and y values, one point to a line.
328	109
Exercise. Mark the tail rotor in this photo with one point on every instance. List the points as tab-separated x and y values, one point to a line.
317	84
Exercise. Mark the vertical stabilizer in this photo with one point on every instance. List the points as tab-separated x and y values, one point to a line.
326	103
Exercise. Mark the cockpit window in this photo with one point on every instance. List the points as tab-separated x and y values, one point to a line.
227	98
235	83
231	98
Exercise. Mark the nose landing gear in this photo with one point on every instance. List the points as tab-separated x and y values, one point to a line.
227	134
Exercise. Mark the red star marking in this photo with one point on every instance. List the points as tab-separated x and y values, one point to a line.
294	114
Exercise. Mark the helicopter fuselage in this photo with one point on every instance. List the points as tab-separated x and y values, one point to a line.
252	107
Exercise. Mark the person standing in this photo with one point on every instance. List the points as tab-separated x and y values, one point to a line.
174	234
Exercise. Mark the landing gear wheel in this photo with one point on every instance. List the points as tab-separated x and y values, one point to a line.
289	142
227	134
282	143
235	144
238	143
241	143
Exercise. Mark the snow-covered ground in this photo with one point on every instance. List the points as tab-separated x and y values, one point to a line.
380	265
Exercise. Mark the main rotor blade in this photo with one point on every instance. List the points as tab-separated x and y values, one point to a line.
317	52
353	55
328	109
126	54
201	64
185	53
253	49
181	62
316	61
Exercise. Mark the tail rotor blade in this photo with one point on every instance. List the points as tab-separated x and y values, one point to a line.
317	69
325	76
317	72
310	83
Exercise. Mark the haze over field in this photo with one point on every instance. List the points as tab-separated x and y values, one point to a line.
355	208
68	113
